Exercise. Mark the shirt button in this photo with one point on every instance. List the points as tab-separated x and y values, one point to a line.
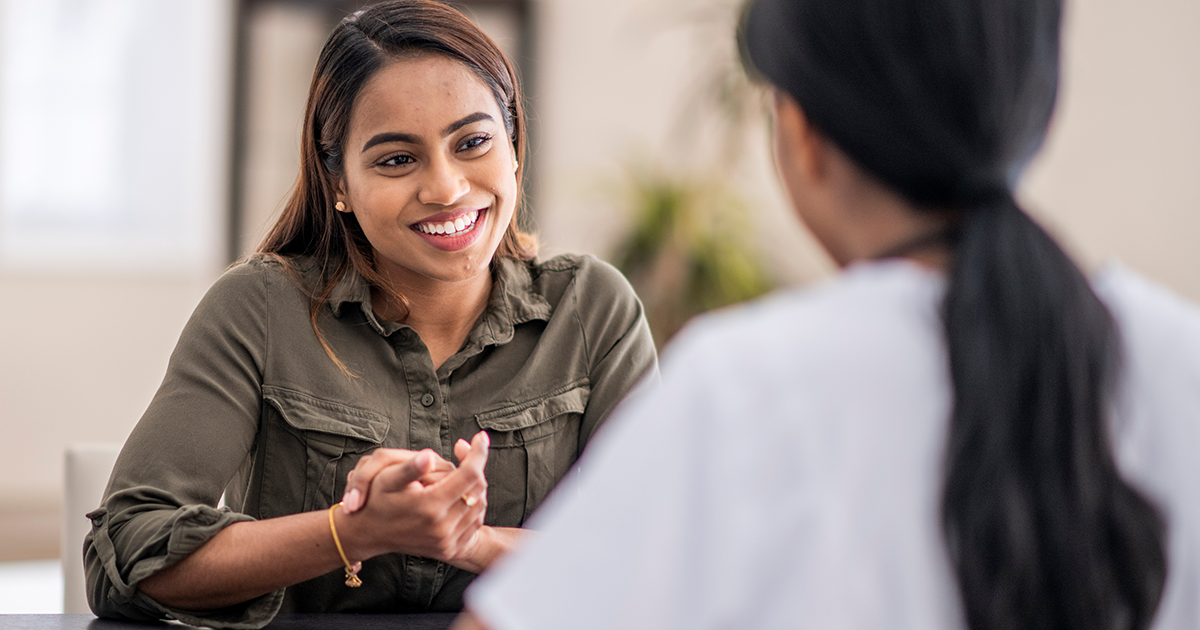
427	399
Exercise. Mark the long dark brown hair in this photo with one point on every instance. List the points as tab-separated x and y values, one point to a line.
359	47
945	101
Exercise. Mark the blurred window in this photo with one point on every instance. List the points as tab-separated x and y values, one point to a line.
113	134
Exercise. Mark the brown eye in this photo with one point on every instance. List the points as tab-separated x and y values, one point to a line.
397	160
474	142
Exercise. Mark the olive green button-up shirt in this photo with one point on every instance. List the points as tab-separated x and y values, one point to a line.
253	408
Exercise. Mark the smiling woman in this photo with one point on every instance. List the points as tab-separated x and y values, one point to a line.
327	385
434	201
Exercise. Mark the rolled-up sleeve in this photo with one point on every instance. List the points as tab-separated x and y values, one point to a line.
198	431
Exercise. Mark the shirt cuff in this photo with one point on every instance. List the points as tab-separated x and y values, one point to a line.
167	537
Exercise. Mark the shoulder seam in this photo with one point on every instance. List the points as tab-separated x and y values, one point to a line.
561	262
573	287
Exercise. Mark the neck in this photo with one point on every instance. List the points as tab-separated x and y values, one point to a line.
881	224
442	313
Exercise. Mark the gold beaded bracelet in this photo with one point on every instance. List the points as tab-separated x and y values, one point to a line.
352	579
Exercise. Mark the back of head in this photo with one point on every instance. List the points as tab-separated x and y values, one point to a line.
945	101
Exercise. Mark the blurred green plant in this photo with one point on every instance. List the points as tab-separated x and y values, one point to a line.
687	250
689	246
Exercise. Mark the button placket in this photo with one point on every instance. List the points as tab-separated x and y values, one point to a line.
424	419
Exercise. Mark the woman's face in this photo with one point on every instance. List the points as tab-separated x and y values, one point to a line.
429	170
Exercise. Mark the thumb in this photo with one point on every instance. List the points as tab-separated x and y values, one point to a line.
399	476
477	455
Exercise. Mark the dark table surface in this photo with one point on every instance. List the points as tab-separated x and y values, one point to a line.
426	621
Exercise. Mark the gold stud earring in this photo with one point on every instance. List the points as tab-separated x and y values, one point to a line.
339	206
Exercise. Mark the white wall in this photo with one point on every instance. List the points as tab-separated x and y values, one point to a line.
1120	175
81	359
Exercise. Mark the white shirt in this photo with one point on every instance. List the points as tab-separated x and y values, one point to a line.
788	472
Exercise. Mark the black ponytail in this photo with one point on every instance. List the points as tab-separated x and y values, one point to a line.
945	101
1042	531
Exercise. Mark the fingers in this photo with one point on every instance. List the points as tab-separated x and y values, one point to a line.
470	522
431	471
469	477
358	482
437	519
462	448
478	452
459	546
399	476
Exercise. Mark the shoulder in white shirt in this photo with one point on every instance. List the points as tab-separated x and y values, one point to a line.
788	472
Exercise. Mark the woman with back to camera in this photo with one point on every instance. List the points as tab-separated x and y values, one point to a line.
394	304
955	432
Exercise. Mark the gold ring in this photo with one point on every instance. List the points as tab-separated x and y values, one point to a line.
469	500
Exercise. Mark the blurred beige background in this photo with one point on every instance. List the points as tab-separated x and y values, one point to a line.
81	354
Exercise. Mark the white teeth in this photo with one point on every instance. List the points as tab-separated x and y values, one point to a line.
451	227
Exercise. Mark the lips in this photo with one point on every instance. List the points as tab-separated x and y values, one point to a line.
453	231
449	225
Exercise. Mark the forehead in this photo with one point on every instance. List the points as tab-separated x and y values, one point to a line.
418	93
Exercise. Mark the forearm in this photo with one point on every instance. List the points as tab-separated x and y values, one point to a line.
253	558
246	560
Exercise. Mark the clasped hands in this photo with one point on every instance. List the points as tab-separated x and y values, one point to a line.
417	503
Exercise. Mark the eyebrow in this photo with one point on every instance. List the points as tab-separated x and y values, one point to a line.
393	136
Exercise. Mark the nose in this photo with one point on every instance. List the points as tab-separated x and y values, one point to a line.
443	183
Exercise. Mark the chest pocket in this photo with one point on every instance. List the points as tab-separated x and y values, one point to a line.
536	441
333	435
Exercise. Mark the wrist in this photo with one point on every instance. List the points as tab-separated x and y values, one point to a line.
353	536
352	567
480	552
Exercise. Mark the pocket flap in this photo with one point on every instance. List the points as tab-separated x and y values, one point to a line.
308	413
570	398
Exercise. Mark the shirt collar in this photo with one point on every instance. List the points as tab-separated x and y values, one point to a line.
514	300
352	288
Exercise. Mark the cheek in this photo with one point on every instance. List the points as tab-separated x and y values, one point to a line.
371	216
797	188
509	191
371	227
785	168
378	207
503	186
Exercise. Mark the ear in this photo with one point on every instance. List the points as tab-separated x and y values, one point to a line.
339	194
806	149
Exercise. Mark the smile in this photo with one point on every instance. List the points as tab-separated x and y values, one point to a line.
458	226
